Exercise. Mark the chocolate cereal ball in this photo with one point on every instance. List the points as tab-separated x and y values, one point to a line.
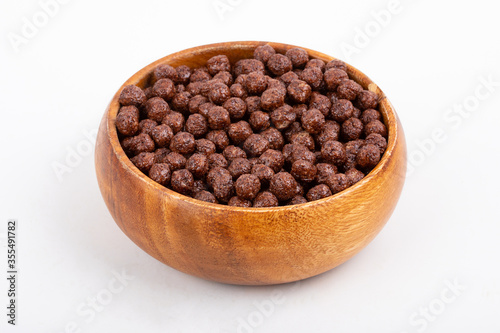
247	66
205	196
236	107
219	138
222	184
336	63
143	161
333	77
349	90
370	115
182	181
175	120
219	93
127	120
218	118
161	154
271	99
164	88
377	140
283	186
259	120
239	166
253	103
237	90
312	76
232	152
320	102
197	125
279	64
165	72
265	199
376	126
197	164
351	148
175	161
333	152
200	75
367	100
274	137
263	53
255	83
204	108
273	159
263	172
183	74
304	171
368	156
218	63
298	57
283	117
255	145
300	152
337	182
351	129
303	138
183	143
341	110
224	77
313	121
146	126
247	186
195	102
354	176
217	160
162	134
324	170
316	63
156	108
288	78
318	192
239	132
299	91
142	143
239	202
199	185
160	173
132	95
204	146
296	200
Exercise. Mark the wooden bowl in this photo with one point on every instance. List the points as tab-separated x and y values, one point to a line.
248	246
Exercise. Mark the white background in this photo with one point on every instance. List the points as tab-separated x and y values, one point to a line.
431	59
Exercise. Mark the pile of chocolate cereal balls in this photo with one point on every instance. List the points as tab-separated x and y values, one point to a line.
278	129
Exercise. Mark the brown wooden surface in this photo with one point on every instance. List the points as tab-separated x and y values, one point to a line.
253	246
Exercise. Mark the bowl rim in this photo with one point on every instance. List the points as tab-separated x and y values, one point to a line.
388	113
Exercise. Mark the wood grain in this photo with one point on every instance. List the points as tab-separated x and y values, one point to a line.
250	246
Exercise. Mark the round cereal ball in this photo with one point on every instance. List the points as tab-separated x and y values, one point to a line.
143	161
253	103
247	186
265	199
127	120
318	192
255	145
283	186
320	102
236	107
204	146
239	132
180	102
356	113
336	63
354	176
313	121
263	172
217	160
182	181
197	164
316	63
161	154
222	184
333	77
370	115
164	88
132	95
237	90
276	84
279	64
183	143
142	143
288	78
195	102
333	152
367	100
204	108
156	108
300	152
297	200
219	93
232	152
146	126
331	131
162	134
368	156
298	57
199	185
303	138
274	137
197	125
375	126
304	171
341	110
225	77
165	72
263	53
219	138
312	76
218	118
247	66
205	196
160	173
377	140
271	99
239	202
259	121
299	91
351	149
218	63
337	182
273	159
175	161
239	166
349	90
324	170
294	128
183	74
195	88
175	120
283	117
255	83
351	129
299	110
